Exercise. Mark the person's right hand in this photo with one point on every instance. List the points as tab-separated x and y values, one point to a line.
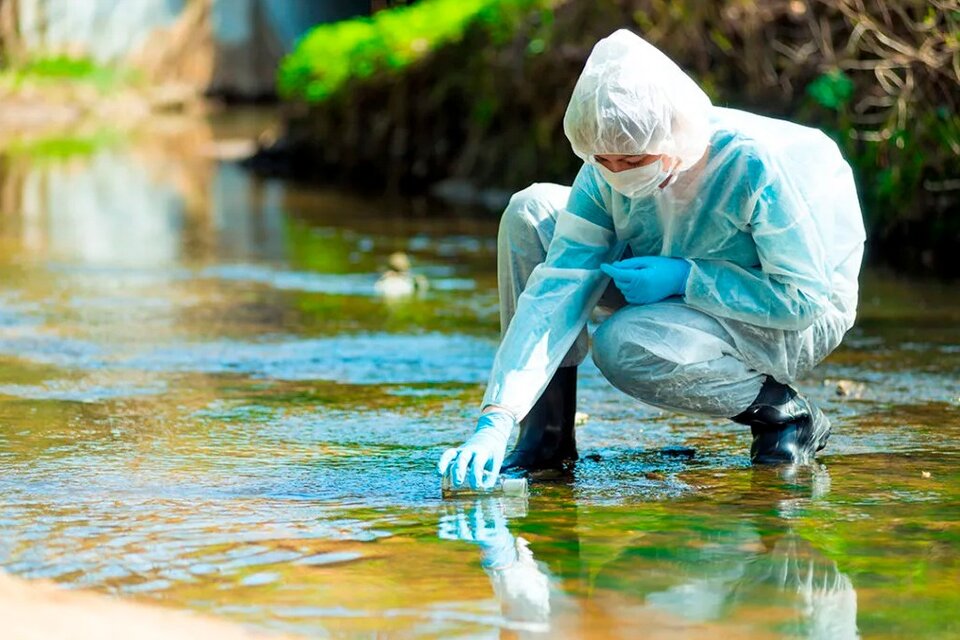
480	457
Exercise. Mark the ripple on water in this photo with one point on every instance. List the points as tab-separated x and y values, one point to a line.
353	284
321	559
83	390
54	350
335	284
368	359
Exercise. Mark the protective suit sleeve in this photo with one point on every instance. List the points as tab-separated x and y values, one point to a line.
791	288
557	300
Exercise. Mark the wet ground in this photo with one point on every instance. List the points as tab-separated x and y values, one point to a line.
204	402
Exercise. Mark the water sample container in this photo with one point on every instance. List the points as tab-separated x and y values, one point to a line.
503	486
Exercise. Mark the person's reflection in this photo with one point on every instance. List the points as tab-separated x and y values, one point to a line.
786	573
762	562
748	559
520	585
824	597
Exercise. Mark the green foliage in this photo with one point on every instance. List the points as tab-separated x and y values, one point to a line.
487	105
66	69
832	90
895	172
332	54
60	67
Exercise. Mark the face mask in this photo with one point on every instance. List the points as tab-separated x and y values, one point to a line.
637	182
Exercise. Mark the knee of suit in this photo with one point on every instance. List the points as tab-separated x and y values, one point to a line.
529	208
620	359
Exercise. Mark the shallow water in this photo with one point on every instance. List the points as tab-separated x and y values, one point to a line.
205	403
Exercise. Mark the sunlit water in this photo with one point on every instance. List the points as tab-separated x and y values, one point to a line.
204	402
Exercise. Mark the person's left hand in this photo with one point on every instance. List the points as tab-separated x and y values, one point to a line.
649	279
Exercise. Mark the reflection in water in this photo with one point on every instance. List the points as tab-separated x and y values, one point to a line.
520	584
148	210
759	564
108	212
781	570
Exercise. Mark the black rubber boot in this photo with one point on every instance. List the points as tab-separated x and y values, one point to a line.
547	439
786	427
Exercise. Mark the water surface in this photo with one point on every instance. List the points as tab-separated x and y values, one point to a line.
204	402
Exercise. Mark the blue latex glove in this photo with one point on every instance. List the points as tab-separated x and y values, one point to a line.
649	279
481	455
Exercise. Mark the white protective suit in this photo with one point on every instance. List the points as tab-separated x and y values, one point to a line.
765	211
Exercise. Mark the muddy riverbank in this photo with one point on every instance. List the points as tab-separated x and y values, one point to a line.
37	610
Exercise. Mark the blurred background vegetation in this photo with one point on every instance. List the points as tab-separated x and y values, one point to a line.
470	94
465	98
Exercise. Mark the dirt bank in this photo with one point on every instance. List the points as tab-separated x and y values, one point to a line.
37	610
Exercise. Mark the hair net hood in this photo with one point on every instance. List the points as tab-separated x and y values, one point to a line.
632	99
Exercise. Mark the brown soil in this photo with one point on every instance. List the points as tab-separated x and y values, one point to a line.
41	610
